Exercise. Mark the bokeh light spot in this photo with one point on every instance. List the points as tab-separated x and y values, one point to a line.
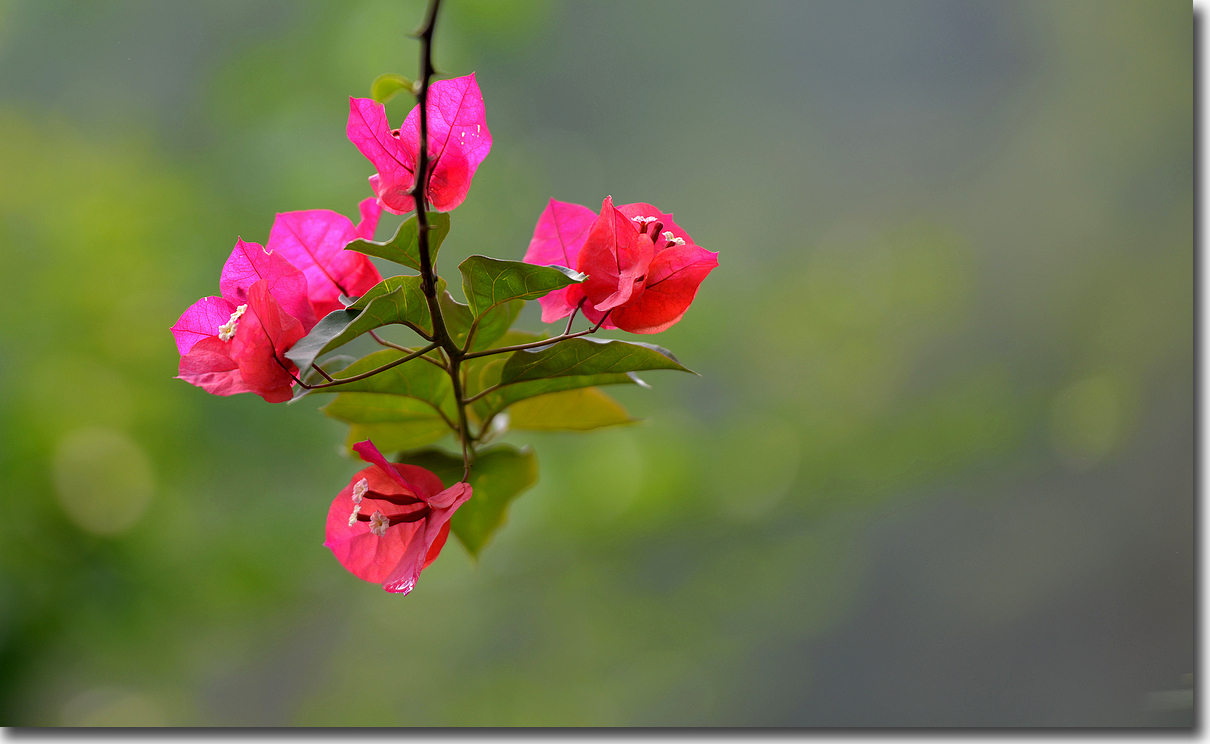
108	706
1086	419
103	480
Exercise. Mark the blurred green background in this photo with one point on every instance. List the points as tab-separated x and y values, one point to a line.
939	468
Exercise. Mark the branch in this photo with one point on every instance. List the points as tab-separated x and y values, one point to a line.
364	375
428	274
388	344
319	369
536	344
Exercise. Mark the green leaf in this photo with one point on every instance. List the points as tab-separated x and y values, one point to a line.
582	356
487	282
398	409
499	474
496	401
393	422
484	372
385	86
395	300
404	248
488	328
575	410
397	436
414	379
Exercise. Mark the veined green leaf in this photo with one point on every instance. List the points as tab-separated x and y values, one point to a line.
393	422
398	299
581	409
397	436
484	372
498	400
488	282
413	379
582	356
498	475
488	328
404	247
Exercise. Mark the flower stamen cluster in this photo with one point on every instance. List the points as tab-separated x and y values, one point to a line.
227	331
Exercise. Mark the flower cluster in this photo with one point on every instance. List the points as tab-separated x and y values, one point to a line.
635	270
643	269
271	298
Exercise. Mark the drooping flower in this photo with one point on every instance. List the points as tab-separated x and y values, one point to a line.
236	343
643	269
458	141
314	240
391	521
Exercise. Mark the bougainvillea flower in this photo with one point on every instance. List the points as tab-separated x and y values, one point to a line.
314	240
643	269
458	141
391	521
236	343
558	236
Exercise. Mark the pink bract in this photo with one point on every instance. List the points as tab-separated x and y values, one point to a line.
314	240
227	350
458	141
643	269
416	503
252	360
558	236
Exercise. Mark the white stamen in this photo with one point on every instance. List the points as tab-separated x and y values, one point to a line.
353	516
360	488
379	523
226	332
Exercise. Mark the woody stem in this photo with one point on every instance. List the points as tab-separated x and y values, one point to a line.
428	274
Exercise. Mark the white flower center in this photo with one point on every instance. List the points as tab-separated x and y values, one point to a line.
379	523
360	488
227	331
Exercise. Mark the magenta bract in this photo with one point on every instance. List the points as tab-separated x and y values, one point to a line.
313	240
391	521
457	143
237	343
643	269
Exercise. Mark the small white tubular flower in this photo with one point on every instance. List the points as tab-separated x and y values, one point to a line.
379	523
226	332
672	239
644	221
360	488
